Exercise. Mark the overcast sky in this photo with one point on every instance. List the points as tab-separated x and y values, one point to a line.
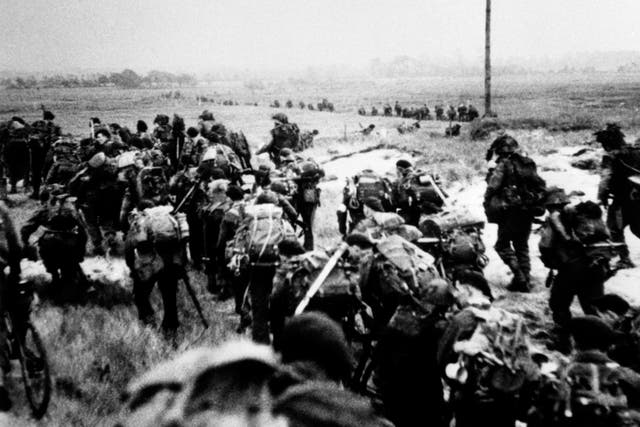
198	35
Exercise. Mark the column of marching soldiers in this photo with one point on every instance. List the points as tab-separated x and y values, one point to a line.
394	325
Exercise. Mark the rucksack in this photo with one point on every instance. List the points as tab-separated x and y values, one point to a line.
263	227
464	247
525	189
222	156
420	185
371	185
152	184
597	397
160	224
548	246
240	146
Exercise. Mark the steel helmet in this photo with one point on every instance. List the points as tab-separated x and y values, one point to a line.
556	196
438	292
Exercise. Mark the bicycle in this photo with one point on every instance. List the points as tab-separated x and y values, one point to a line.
29	351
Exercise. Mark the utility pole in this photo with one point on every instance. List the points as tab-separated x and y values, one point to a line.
487	61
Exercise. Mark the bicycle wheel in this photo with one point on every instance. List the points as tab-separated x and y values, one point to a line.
35	372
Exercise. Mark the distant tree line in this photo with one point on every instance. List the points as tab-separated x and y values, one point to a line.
128	79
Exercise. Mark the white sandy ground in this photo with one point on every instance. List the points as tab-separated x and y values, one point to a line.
555	169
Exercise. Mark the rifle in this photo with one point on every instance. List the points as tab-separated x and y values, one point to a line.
317	284
194	298
186	197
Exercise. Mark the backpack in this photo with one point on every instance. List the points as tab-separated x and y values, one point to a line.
464	247
421	187
240	146
160	224
263	227
596	394
222	156
371	185
413	265
151	183
524	188
548	246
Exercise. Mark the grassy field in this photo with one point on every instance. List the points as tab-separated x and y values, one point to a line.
96	349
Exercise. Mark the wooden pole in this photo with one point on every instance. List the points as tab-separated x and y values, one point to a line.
487	61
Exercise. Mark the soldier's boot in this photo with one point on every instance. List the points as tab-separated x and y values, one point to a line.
520	282
624	262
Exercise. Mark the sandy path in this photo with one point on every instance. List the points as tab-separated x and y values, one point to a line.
554	168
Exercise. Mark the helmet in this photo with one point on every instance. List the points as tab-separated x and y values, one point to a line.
286	155
505	144
279	187
267	197
280	117
610	137
206	115
438	292
556	196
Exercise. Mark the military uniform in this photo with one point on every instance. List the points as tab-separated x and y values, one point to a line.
62	246
40	144
617	165
515	220
99	199
16	153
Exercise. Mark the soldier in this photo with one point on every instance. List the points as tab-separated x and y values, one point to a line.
310	107
406	205
398	109
289	103
302	105
472	113
228	226
439	112
362	111
105	144
99	199
614	192
154	260
306	199
514	195
16	151
283	135
592	389
374	111
212	214
261	273
194	148
10	254
66	162
62	246
581	271
462	113
388	110
40	142
306	138
451	113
